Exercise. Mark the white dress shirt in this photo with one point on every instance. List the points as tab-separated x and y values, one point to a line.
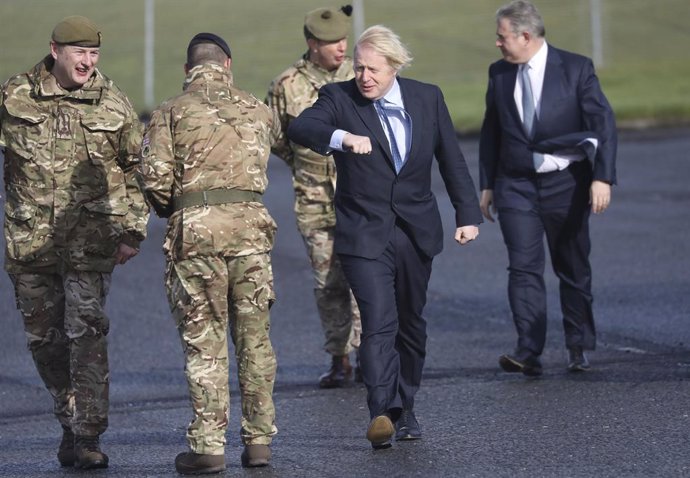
537	68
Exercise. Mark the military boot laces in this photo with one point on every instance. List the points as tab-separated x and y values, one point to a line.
88	453
65	453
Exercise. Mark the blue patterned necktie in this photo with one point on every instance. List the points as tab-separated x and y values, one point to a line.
528	112
383	107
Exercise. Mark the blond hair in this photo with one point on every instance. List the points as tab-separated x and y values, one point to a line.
387	44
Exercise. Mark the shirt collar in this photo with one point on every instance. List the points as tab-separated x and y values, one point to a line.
394	95
538	62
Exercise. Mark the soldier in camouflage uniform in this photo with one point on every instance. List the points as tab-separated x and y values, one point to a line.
73	211
203	166
294	90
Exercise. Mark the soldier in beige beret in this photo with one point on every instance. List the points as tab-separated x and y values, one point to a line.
73	212
325	31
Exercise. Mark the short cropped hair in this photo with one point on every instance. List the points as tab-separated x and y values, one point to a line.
523	17
387	44
205	53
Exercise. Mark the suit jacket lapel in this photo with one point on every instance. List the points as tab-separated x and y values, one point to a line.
555	86
367	112
415	110
509	80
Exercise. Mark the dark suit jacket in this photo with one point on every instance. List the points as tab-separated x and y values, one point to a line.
571	103
369	195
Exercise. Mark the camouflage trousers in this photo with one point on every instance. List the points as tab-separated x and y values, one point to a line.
66	330
336	305
208	295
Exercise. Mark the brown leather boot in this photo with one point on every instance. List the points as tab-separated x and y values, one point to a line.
65	453
338	374
190	463
88	453
256	455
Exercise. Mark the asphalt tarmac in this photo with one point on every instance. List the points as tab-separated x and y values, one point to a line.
629	416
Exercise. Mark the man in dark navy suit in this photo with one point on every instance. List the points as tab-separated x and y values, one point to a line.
384	132
547	158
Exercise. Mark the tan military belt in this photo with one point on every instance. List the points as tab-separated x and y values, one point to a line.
213	197
325	169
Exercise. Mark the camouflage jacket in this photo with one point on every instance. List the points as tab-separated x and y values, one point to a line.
293	91
212	136
70	157
314	176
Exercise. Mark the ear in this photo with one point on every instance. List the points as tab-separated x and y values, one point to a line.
227	63
53	50
312	43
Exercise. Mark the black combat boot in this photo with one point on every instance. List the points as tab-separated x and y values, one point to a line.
88	453
190	463
256	455
338	374
65	453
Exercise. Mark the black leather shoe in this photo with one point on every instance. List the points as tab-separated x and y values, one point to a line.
577	360
529	366
380	432
407	427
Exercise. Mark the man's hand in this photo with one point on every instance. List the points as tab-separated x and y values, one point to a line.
599	196
486	204
357	144
465	234
124	253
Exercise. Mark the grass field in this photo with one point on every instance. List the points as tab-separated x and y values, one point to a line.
645	74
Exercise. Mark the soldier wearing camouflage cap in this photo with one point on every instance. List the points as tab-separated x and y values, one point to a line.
73	211
203	166
314	177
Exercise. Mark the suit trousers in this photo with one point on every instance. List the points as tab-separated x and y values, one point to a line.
391	294
554	204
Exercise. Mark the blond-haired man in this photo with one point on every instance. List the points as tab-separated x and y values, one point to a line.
384	132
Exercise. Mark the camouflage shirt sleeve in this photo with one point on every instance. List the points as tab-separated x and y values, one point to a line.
276	131
276	100
128	159
156	170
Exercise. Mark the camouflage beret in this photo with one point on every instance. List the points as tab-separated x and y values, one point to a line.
77	30
329	24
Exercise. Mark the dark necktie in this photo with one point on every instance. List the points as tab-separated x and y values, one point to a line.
383	109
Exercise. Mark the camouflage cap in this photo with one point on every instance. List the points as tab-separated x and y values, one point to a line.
329	24
77	30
